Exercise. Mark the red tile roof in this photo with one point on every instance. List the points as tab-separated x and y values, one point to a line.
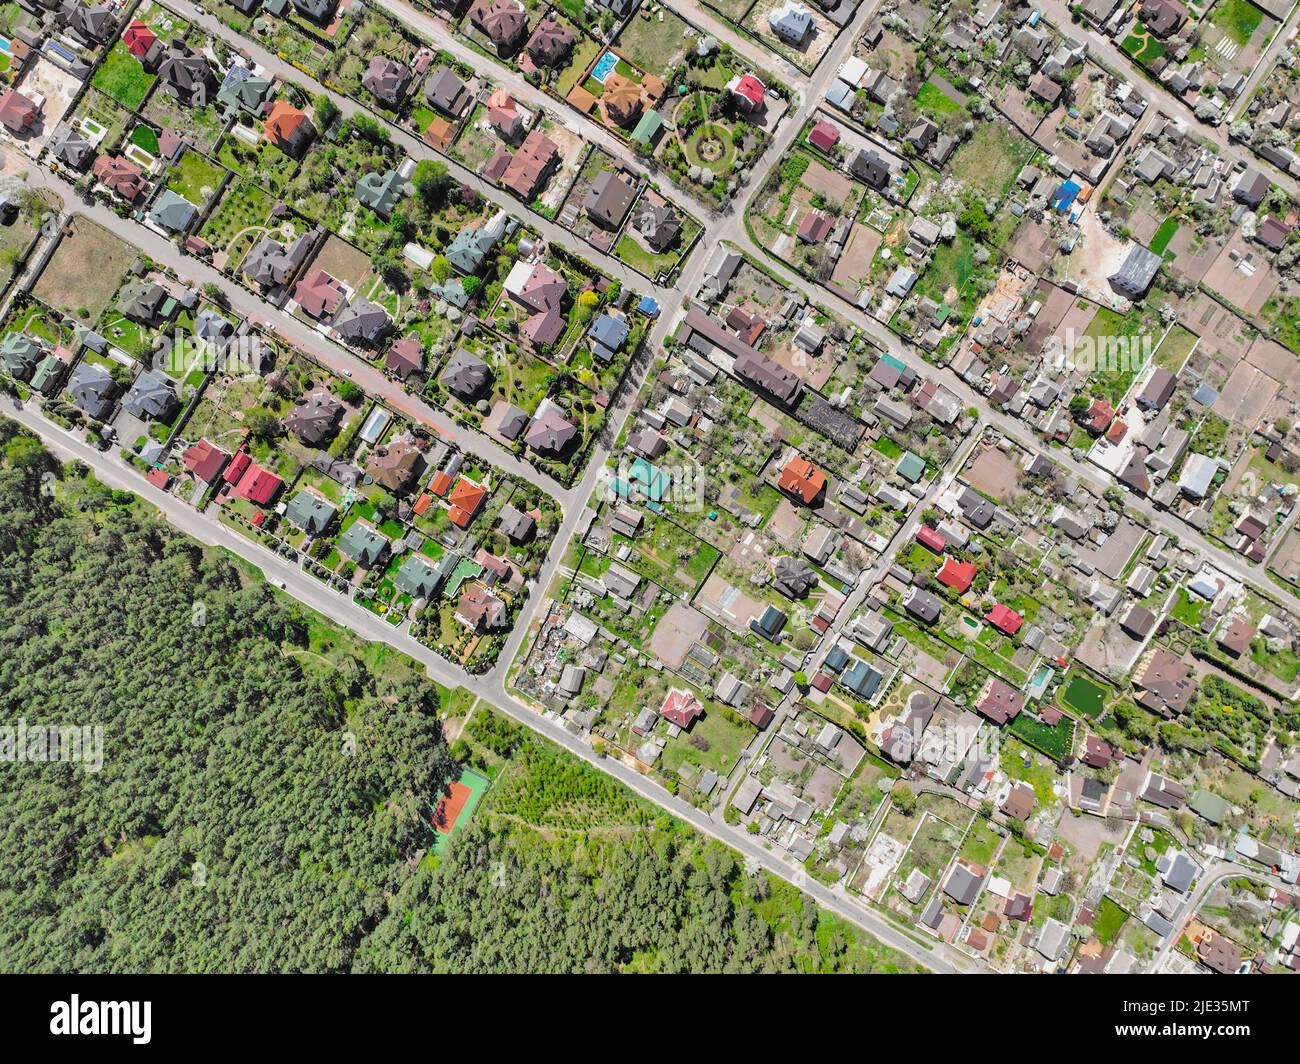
238	464
1005	618
159	478
258	485
681	708
928	537
440	484
283	123
466	498
957	575
750	89
138	39
204	460
824	135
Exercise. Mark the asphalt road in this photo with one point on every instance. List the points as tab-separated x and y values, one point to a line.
727	225
312	593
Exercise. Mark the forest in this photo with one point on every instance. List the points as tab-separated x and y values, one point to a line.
263	802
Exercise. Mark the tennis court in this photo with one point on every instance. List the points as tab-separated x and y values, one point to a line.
458	806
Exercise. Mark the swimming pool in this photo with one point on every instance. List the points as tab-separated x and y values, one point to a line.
604	65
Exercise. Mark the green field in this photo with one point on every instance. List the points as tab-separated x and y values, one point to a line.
1238	19
1055	742
1168	229
123	78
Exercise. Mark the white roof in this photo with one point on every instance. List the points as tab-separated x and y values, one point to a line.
840	94
518	277
853	71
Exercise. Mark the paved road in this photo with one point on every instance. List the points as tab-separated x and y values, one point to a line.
1210	878
430	28
338	608
1263	66
1109	54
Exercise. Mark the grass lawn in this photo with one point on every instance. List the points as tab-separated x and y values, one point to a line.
656	47
951	267
1187	609
123	78
195	178
1130	328
989	162
1055	742
1168	228
1283	313
1174	348
144	137
1143	47
714	742
710	137
1237	18
1108	920
1084	697
935	102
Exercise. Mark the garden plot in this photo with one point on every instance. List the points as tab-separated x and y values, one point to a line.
241	219
85	271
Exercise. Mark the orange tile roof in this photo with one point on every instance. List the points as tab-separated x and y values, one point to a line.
802	479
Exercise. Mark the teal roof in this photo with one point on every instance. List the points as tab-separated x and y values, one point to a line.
894	361
380	192
310	512
47	373
362	544
911	467
647	127
418	577
652	481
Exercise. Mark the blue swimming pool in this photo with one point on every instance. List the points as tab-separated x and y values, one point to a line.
604	65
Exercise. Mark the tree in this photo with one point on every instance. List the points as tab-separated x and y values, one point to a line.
261	423
432	182
325	111
903	799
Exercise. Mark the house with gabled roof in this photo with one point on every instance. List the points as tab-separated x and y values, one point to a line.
151	397
311	512
289	128
387	80
363	545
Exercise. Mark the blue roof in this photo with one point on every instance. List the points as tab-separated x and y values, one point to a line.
610	331
861	678
1205	394
648	305
837	659
770	624
1064	196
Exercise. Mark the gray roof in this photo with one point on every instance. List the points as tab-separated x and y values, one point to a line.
92	389
362	322
1136	273
418	577
141	301
172	211
466	375
362	544
271	263
445	91
310	512
151	397
72	149
551	433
